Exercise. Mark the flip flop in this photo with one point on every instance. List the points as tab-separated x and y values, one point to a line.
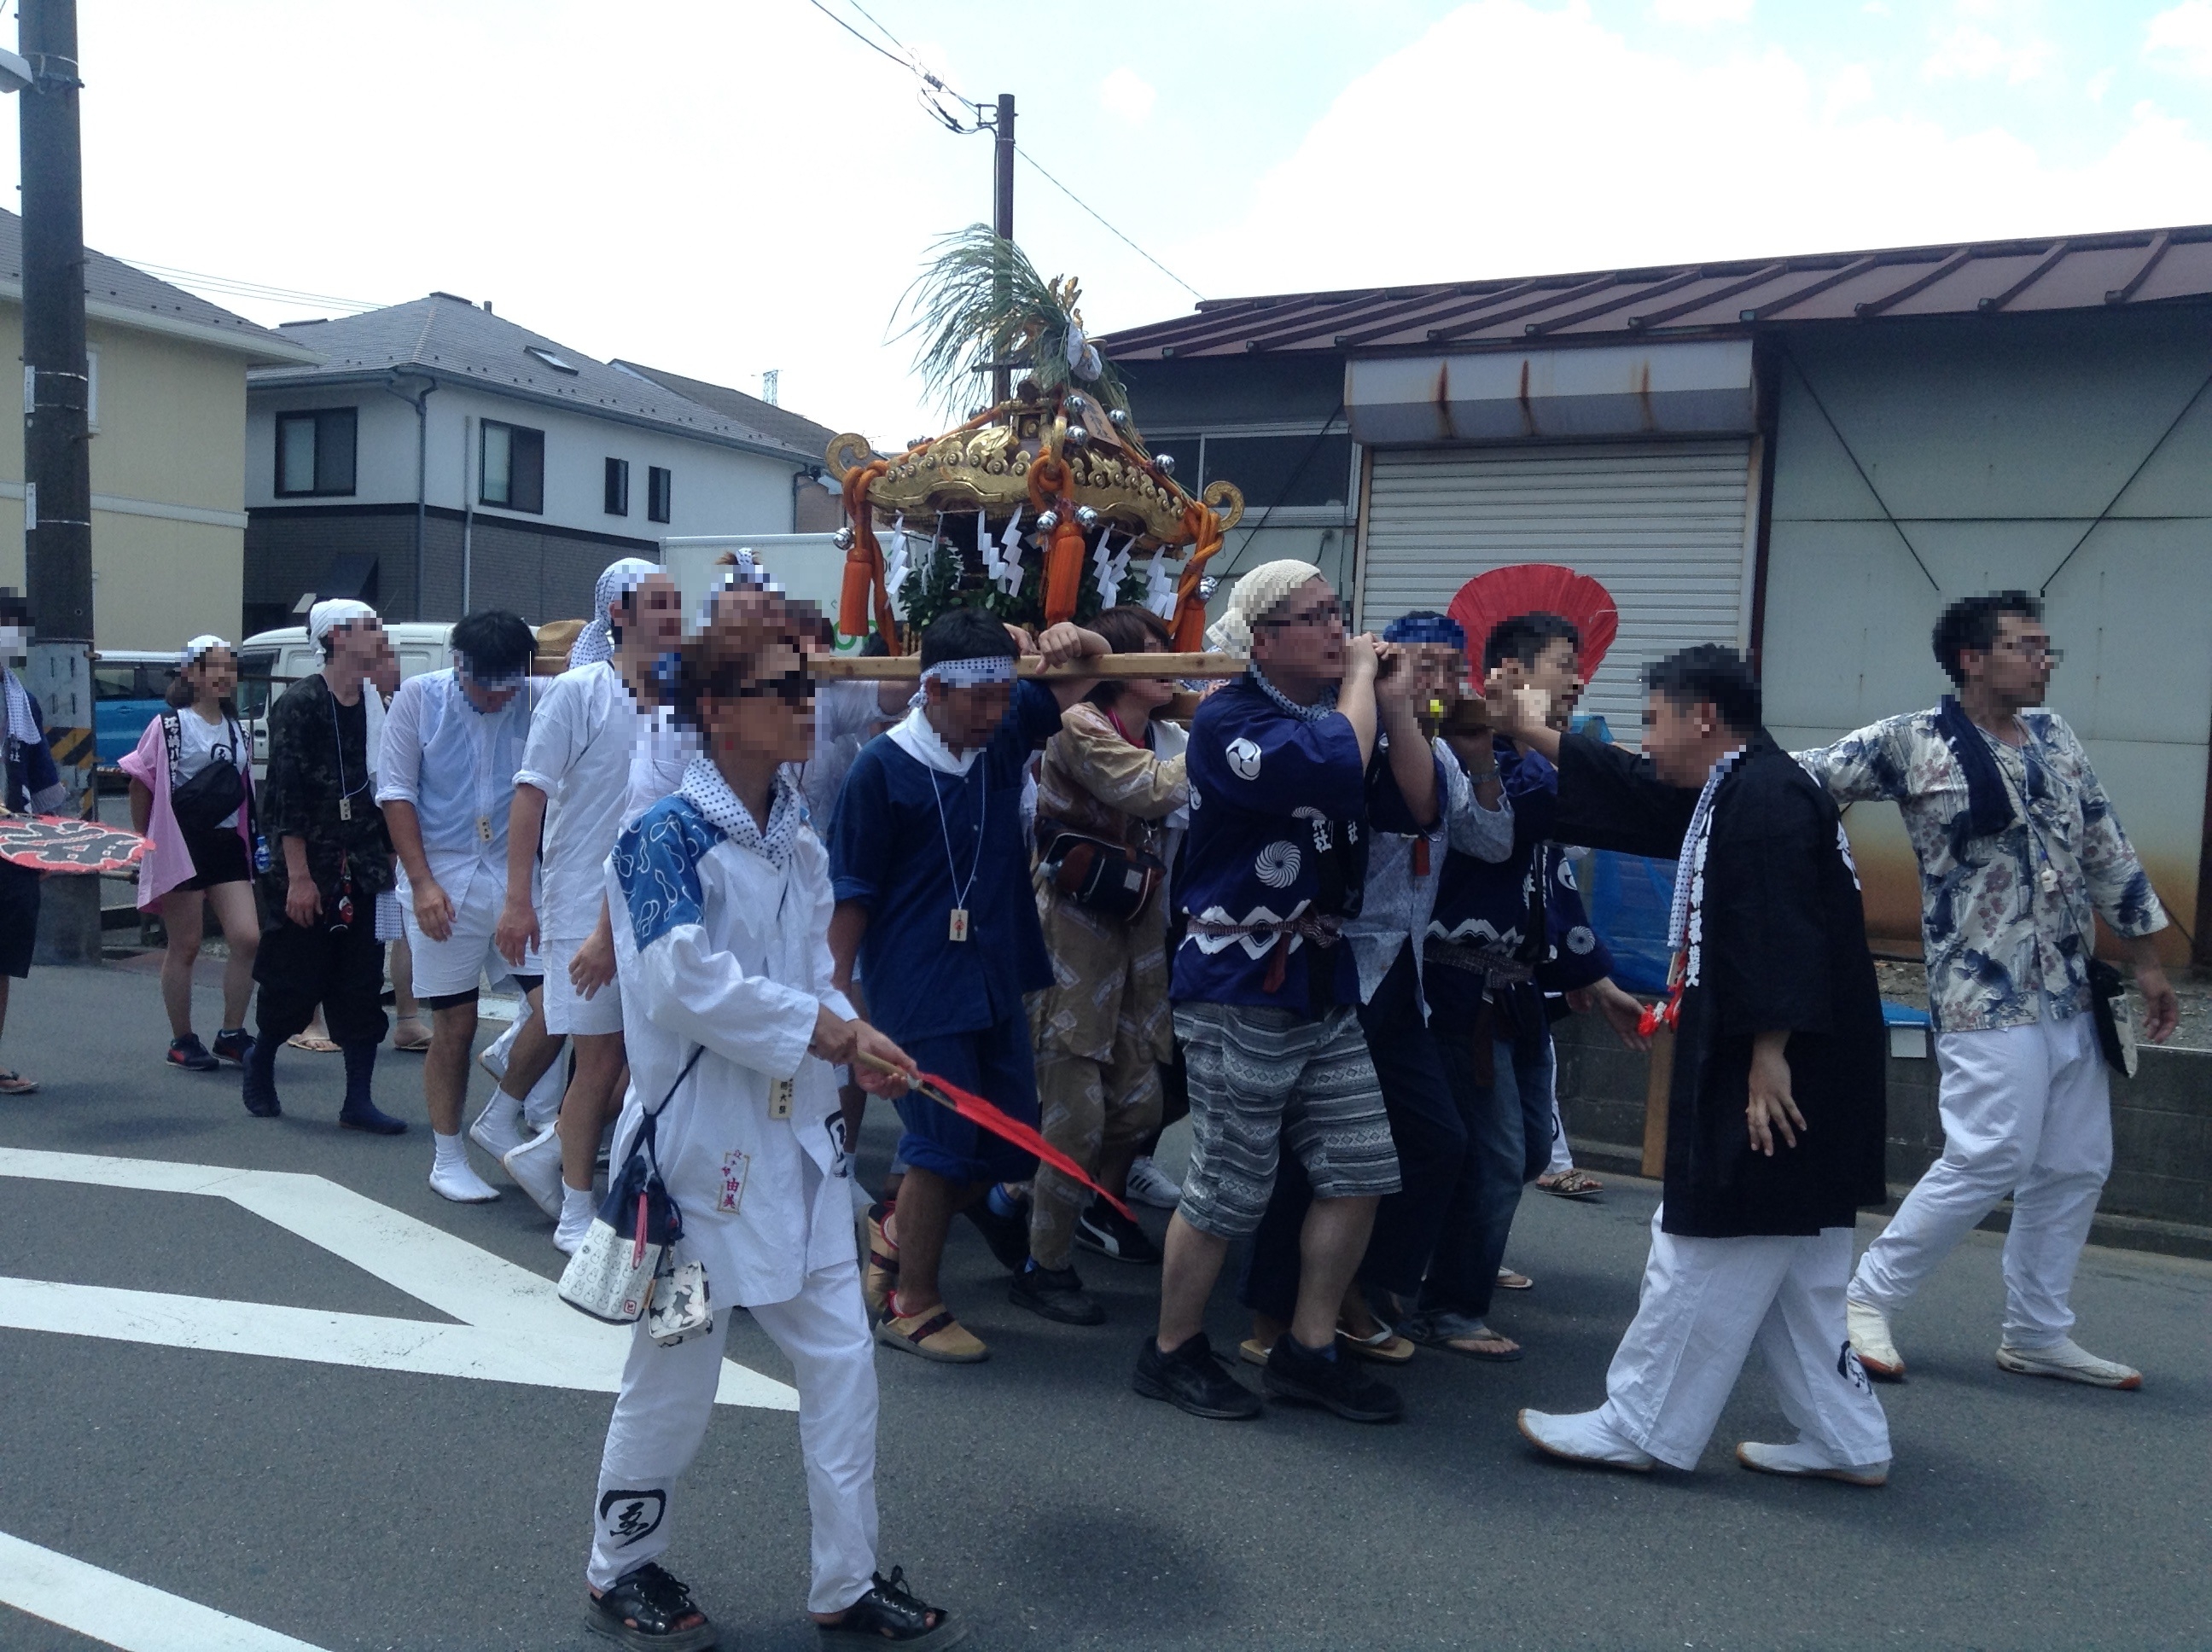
319	1046
1572	1184
15	1084
416	1045
1445	1332
1384	1347
1253	1352
1508	1280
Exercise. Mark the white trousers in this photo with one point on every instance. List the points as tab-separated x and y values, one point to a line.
2027	1111
1562	1158
1705	1303
661	1417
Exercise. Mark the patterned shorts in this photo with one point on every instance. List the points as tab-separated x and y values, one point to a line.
1262	1078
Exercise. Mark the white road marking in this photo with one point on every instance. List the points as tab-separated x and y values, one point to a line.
515	1328
133	1616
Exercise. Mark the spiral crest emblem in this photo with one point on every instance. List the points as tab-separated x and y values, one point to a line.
1277	864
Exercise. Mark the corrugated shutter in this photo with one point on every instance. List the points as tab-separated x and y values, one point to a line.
1660	525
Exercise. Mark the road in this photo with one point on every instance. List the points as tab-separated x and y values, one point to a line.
352	1415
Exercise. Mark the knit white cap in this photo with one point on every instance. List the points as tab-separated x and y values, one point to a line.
1256	597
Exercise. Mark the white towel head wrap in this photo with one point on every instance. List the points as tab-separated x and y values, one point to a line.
326	616
595	641
1254	598
190	653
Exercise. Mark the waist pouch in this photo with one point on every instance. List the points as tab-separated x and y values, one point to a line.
1102	877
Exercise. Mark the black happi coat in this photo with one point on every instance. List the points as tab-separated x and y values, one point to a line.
1784	946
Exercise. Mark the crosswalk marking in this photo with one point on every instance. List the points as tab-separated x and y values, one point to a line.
134	1616
513	1328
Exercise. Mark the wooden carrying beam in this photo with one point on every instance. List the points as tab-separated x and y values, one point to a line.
906	668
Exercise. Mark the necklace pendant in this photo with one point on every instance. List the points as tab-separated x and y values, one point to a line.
2047	879
345	808
959	932
779	1099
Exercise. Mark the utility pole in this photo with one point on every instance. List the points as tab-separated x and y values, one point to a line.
57	457
1002	216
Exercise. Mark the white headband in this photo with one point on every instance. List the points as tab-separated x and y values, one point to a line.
199	645
326	616
965	674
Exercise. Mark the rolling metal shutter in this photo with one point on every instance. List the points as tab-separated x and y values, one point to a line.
1667	527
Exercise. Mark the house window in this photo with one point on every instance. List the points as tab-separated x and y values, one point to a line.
1293	470
657	483
315	453
617	487
513	467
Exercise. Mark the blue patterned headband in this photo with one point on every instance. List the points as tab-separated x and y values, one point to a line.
1426	628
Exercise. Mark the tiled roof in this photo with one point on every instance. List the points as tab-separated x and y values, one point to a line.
2011	278
449	338
122	291
767	417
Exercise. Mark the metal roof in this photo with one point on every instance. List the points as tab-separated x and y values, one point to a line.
118	292
766	416
2014	277
442	336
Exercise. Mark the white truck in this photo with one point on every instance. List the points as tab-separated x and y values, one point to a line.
808	565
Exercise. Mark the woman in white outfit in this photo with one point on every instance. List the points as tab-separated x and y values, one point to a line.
721	899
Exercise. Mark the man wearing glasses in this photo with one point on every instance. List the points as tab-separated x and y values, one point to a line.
452	743
2020	851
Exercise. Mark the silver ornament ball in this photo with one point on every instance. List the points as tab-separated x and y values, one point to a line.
1119	418
843	538
1085	518
1076	404
1048	522
1166	462
1077	437
1207	585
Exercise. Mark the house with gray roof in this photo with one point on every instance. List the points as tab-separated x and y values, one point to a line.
436	457
168	375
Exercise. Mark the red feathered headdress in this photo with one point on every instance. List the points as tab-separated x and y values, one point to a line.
1503	593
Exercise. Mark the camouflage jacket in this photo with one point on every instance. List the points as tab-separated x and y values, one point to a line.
317	753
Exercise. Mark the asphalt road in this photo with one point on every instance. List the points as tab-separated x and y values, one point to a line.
353	1506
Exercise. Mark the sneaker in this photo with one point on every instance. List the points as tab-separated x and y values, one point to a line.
1585	1438
1106	1231
1008	1236
190	1055
1148	1184
1193	1379
1867	1326
1055	1293
234	1044
2069	1362
535	1167
498	1135
1805	1461
647	1608
459	1183
1298	1376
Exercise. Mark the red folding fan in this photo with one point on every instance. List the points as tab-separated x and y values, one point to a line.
1538	587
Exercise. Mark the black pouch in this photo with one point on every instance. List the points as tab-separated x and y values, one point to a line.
2115	1021
212	796
1102	877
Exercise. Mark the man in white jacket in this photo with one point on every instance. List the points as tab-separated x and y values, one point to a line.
722	899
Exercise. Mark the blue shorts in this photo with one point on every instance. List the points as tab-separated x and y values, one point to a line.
996	1064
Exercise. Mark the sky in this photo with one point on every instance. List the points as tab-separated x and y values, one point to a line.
722	187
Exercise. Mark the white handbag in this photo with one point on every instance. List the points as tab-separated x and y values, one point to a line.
610	1275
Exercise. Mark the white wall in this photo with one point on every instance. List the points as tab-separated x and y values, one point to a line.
715	490
1995	448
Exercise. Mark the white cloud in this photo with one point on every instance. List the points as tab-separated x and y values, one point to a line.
1745	165
2182	38
1129	95
1966	52
1849	88
2099	84
1701	14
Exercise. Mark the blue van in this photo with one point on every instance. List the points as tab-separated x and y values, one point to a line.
127	693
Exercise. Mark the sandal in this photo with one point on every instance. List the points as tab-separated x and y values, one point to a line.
1508	1280
1253	1352
319	1046
1384	1347
15	1084
1572	1184
889	1613
935	1335
880	1277
1451	1331
648	1608
415	1041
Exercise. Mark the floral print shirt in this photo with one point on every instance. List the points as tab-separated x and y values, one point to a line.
2006	921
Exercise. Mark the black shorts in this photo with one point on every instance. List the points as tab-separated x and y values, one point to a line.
19	919
218	857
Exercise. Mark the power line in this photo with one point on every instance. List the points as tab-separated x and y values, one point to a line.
1110	230
237	287
913	64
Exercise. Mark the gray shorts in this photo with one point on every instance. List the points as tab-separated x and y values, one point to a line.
1262	1078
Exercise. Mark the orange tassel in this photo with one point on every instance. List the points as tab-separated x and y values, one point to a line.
1063	573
